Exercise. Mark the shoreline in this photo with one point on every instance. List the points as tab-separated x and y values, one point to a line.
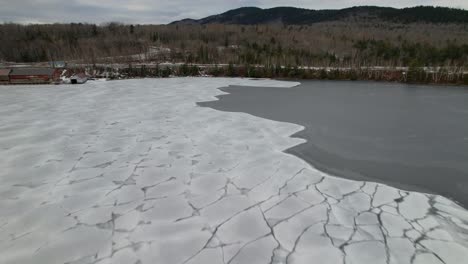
450	76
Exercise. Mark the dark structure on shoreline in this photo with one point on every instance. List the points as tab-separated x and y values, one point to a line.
5	76
29	76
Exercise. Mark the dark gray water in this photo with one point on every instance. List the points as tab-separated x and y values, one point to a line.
408	136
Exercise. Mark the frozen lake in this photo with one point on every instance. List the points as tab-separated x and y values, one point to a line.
408	136
135	172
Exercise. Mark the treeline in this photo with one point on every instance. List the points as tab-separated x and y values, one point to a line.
380	52
87	42
425	13
334	44
412	75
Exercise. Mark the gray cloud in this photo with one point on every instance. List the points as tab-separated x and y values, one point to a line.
163	11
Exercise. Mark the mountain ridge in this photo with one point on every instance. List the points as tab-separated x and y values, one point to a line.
301	16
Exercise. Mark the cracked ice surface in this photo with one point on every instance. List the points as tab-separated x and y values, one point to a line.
134	172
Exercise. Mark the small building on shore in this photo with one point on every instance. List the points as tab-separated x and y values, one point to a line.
34	75
78	78
5	76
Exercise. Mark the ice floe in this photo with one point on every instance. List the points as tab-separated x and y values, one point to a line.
135	172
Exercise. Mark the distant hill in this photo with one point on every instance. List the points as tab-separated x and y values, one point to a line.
299	16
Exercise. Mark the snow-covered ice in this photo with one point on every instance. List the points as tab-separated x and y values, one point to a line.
135	172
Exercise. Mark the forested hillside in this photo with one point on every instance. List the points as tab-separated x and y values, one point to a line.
349	43
299	16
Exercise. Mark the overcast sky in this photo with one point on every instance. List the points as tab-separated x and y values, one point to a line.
165	11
